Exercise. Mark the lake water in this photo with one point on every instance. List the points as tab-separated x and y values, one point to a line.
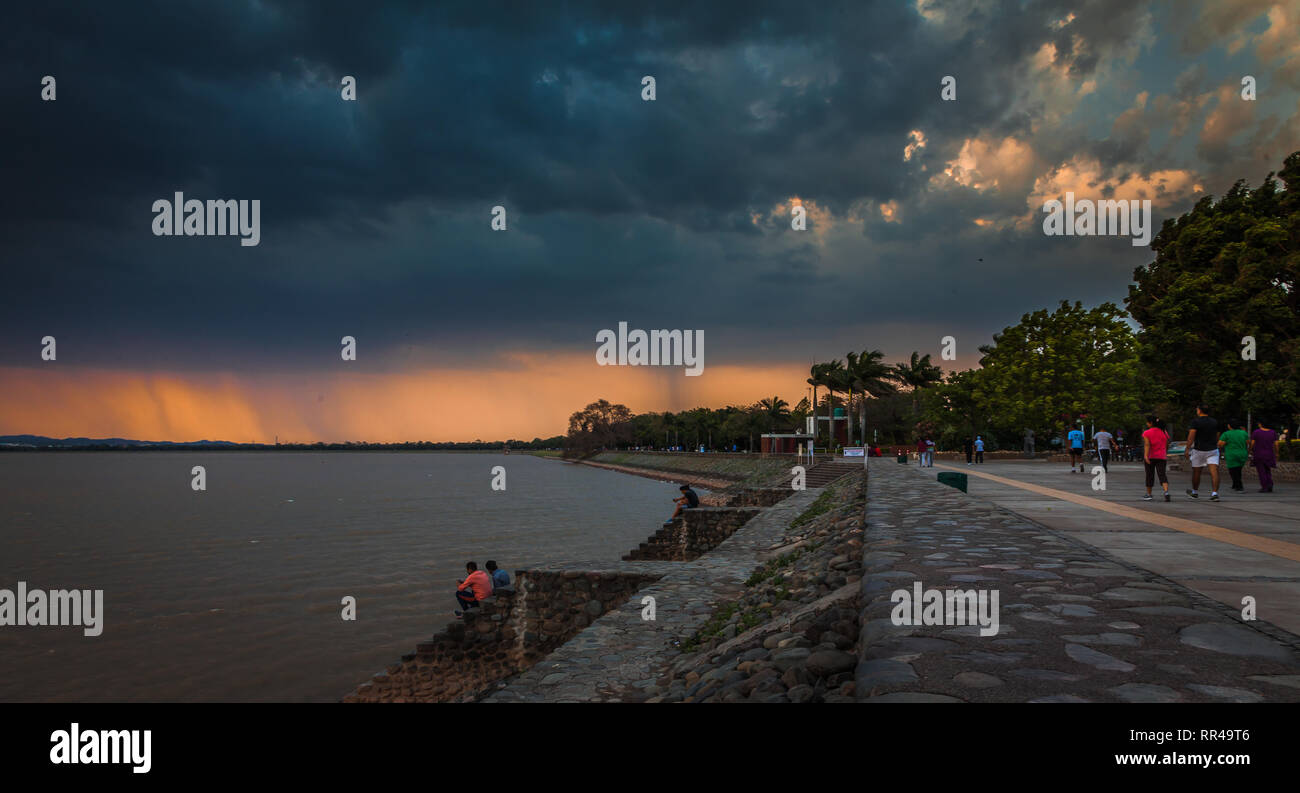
233	594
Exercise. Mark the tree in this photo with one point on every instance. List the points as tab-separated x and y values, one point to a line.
844	381
1225	271
799	414
958	408
817	376
870	376
599	425
1054	367
776	410
831	378
917	374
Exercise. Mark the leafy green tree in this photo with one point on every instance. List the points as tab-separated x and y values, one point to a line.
598	425
1052	368
1224	271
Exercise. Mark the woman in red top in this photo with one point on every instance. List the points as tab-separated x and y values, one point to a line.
1155	442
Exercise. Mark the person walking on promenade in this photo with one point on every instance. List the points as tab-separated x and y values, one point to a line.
1235	448
1155	444
1203	450
929	452
1104	441
1075	436
1264	452
968	446
979	449
920	451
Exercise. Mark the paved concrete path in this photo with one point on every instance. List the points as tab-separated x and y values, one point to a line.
620	655
1246	544
1077	622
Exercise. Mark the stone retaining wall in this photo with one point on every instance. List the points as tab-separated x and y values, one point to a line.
504	636
758	496
695	532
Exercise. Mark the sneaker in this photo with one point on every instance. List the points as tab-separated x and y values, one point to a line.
1147	497
1192	494
1166	495
1214	496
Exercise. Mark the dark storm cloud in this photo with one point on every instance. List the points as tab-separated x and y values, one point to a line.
375	213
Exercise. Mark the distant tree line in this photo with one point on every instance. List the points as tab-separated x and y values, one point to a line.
1214	319
556	443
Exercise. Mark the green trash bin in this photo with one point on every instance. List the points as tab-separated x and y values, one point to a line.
902	458
953	479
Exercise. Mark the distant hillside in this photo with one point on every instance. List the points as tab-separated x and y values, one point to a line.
29	442
42	441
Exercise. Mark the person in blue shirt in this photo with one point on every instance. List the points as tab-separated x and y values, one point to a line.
1075	436
979	448
499	577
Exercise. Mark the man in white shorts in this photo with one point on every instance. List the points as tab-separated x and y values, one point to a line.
1203	450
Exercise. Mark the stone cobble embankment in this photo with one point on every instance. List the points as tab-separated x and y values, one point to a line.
790	633
507	633
695	532
620	656
1075	625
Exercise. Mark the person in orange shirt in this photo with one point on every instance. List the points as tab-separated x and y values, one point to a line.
476	586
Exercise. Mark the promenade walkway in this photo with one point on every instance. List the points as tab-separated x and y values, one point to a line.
621	654
1103	597
1245	544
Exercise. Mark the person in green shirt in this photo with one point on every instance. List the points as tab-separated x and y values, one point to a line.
1233	444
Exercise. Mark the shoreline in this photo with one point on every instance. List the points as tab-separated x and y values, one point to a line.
587	621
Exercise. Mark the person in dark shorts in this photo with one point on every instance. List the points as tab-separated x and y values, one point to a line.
1155	445
979	448
1203	450
1075	437
688	500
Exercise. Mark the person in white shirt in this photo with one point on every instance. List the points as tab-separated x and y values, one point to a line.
1105	442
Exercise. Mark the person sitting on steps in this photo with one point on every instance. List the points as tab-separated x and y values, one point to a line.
688	500
476	586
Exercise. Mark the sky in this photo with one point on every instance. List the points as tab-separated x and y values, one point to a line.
923	216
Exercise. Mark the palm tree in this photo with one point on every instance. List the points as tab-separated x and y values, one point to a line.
871	376
917	374
817	375
776	408
832	376
846	381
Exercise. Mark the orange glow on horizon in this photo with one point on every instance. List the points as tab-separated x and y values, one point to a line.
534	398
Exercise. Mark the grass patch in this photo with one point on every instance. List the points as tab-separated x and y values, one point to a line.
819	507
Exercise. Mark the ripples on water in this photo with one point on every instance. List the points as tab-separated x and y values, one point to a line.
233	594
